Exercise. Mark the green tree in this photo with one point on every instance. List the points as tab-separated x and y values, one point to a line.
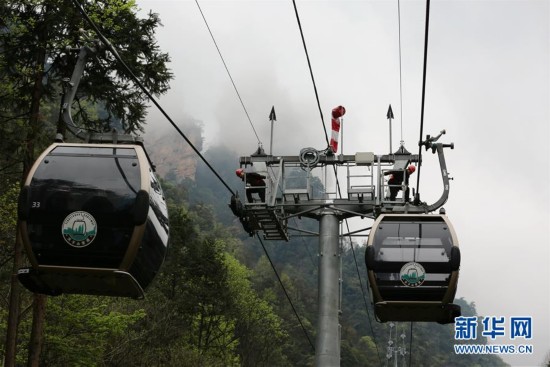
34	36
298	351
80	328
258	330
8	213
34	41
202	308
172	301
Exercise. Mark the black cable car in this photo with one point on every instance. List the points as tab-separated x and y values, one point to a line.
413	262
93	220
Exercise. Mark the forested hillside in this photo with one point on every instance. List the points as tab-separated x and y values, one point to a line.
216	300
296	262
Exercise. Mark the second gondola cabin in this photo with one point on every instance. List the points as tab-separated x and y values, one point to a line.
93	220
413	262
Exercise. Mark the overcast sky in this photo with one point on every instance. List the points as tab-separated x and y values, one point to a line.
488	85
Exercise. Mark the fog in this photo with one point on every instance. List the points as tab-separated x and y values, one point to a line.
488	85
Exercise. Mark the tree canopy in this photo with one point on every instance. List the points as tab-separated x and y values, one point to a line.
216	301
39	42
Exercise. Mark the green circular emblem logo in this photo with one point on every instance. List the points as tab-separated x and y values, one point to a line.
412	274
79	229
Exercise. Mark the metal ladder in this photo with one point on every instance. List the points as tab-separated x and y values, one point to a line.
267	220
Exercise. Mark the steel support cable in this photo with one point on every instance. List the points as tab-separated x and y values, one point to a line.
358	273
400	77
426	32
228	73
363	293
137	81
286	293
355	257
149	95
335	170
410	346
252	125
311	72
314	86
326	138
423	95
336	177
305	244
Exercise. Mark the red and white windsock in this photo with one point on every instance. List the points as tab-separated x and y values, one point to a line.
337	113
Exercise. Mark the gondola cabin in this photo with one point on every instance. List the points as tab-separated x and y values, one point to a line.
93	220
413	262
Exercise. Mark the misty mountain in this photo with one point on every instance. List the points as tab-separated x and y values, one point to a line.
172	156
364	341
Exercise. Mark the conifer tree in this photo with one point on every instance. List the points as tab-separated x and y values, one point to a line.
36	38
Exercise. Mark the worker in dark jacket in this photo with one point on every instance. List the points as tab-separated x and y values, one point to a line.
396	180
255	184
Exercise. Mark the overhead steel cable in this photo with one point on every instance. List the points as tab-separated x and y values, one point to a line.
357	268
259	142
426	33
311	71
423	95
410	346
305	244
400	77
286	293
314	86
359	275
149	95
364	296
228	73
328	144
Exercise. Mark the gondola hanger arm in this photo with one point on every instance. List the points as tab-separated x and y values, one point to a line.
430	142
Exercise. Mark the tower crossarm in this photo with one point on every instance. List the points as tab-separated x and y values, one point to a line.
271	160
278	188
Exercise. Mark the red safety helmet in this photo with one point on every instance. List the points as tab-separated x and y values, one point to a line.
411	169
239	172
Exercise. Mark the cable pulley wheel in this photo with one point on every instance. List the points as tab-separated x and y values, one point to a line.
309	157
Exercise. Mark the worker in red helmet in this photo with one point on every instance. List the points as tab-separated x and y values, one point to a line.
254	184
396	180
